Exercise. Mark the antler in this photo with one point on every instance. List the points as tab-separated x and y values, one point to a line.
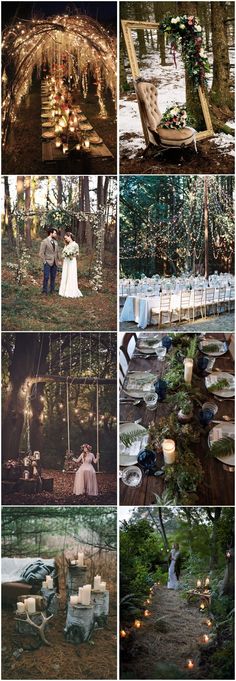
40	627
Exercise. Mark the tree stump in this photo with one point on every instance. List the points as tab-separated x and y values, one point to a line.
27	486
50	601
100	600
76	577
79	623
47	484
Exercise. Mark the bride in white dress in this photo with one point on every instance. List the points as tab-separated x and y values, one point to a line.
69	279
173	573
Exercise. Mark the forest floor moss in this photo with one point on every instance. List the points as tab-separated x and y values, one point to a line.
95	659
163	647
24	308
63	492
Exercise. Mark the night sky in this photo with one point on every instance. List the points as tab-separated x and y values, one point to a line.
104	12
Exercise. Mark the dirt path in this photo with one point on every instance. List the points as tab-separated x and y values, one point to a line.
171	641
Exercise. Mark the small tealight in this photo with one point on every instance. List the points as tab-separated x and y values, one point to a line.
78	147
58	142
65	148
86	144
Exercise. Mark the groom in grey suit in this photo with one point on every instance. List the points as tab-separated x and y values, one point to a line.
49	254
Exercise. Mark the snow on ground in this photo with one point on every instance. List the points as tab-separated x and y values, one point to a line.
225	143
170	82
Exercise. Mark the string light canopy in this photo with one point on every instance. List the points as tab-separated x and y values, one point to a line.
67	46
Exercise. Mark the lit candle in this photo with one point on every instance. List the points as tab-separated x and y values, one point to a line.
122	633
86	594
97	582
58	142
188	370
207	582
202	606
102	586
199	583
190	664
146	613
20	607
74	600
72	128
86	144
44	585
49	582
228	554
65	148
81	559
209	623
80	594
168	448
31	605
137	624
205	638
78	146
74	562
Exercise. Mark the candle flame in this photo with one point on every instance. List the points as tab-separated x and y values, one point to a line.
190	664
137	624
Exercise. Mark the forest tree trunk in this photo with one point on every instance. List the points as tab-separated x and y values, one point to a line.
37	403
7	212
27	208
192	99
220	93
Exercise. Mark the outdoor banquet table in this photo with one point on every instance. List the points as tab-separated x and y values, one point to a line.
51	153
137	308
217	487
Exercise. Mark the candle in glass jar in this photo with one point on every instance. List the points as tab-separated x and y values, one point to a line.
86	144
190	664
31	605
207	582
65	148
58	142
20	607
199	583
81	559
188	370
168	448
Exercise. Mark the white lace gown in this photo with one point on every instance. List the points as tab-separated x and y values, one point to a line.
172	579
69	280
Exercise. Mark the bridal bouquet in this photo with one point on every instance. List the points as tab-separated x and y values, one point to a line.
70	251
174	117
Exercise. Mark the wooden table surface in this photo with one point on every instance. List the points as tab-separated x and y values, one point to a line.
51	153
217	487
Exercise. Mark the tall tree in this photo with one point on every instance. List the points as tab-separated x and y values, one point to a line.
192	98
220	91
27	186
7	212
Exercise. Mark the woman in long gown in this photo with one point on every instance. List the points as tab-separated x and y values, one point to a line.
173	573
69	278
85	478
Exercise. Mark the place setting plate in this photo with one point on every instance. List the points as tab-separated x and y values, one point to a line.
146	346
224	391
220	348
48	135
48	124
139	383
129	455
222	430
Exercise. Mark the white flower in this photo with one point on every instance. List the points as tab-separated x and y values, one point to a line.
202	52
198	28
182	26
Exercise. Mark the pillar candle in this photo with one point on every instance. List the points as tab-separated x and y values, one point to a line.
102	586
74	600
73	562
80	559
80	594
31	605
20	607
44	585
188	370
49	582
168	448
86	594
199	583
97	582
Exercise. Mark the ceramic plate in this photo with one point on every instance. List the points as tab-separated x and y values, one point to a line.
222	347
48	135
223	430
138	384
129	456
223	392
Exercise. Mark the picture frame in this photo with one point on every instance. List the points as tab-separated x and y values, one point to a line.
128	26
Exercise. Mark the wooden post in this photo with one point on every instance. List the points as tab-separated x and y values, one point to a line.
206	227
97	423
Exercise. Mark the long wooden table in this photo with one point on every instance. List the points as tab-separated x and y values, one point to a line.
53	154
217	487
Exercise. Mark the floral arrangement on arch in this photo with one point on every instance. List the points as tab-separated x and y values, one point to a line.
70	251
187	31
175	117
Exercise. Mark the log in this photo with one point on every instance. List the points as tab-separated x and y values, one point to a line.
47	484
100	600
76	577
79	623
50	600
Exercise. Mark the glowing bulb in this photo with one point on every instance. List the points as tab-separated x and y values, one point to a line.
137	624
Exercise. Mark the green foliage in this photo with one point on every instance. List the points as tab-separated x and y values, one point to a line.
127	439
222	447
219	385
222	662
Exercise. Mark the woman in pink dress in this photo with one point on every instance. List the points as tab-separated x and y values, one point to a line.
85	477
